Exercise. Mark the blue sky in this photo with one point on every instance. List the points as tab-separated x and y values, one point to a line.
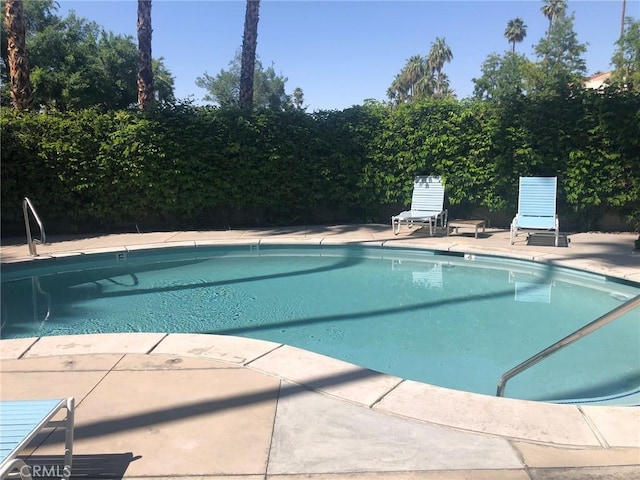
343	52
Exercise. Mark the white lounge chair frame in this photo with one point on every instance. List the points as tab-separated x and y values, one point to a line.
536	207
427	205
21	421
530	288
430	278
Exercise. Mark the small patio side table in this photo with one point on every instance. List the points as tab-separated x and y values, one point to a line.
460	223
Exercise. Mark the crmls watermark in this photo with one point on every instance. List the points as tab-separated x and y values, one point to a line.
49	471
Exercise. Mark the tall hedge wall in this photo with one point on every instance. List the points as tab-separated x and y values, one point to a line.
191	167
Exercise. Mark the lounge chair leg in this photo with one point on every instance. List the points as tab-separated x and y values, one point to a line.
16	469
396	224
68	452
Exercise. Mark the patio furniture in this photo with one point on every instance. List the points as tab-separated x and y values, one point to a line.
21	421
427	205
536	207
460	223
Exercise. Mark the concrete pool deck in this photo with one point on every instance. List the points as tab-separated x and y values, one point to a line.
152	405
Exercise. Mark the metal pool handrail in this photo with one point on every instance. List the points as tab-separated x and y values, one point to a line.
568	340
26	206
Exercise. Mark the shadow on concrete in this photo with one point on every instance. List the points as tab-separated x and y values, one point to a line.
89	467
547	240
179	412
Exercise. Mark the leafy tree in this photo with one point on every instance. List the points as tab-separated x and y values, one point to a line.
515	32
77	64
248	63
145	62
503	77
224	88
626	60
163	82
560	64
17	60
439	54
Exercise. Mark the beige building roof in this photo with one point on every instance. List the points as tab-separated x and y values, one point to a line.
597	81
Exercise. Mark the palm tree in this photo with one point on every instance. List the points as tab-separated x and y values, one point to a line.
415	81
398	91
249	44
413	73
298	98
439	54
19	80
145	70
424	83
553	9
515	32
445	87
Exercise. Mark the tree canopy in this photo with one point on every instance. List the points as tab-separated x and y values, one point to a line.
503	77
75	63
268	87
515	32
558	68
626	60
560	57
422	77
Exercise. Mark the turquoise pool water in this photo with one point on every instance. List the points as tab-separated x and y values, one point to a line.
458	321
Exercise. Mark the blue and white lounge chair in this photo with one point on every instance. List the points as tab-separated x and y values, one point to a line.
21	421
427	205
536	207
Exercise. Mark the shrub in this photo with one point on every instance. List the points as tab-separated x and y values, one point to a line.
197	167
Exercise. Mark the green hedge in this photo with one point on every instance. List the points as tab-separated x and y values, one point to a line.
191	167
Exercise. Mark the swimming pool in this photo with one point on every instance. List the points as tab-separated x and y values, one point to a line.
458	321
